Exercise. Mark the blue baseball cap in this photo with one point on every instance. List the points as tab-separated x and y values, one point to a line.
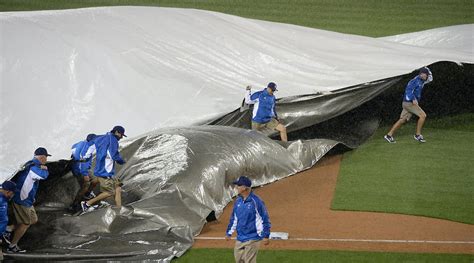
9	186
272	86
243	180
425	70
119	129
90	137
42	151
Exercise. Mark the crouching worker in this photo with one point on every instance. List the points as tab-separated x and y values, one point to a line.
22	214
81	155
6	193
264	115
106	155
250	219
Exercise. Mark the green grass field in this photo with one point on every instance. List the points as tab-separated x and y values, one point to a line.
362	17
283	256
434	179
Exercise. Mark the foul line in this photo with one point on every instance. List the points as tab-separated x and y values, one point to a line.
359	240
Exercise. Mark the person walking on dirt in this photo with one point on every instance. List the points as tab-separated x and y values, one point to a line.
264	115
411	105
81	155
251	221
6	193
106	155
27	182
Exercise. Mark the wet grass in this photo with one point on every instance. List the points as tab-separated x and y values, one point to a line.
361	17
281	256
434	179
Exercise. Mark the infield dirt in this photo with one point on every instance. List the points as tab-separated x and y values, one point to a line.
300	206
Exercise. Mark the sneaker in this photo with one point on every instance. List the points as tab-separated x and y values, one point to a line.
85	206
7	237
389	139
103	204
419	138
15	249
89	196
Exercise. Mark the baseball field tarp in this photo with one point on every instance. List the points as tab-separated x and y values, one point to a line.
175	178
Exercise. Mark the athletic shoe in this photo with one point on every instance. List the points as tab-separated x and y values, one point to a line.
389	139
15	249
89	196
419	138
85	206
103	204
7	237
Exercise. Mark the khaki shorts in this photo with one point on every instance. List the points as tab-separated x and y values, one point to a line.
92	178
22	214
108	185
272	124
84	183
409	109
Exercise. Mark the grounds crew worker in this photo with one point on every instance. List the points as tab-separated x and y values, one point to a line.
250	219
106	147
6	193
411	105
81	169
264	115
27	182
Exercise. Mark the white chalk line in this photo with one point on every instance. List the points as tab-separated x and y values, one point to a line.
359	240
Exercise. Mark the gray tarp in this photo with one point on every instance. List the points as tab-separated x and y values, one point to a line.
175	178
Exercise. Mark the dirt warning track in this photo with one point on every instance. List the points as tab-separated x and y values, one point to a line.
300	205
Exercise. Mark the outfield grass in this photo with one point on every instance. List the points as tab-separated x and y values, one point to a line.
281	256
362	17
435	179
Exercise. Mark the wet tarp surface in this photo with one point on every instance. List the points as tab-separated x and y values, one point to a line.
175	178
180	66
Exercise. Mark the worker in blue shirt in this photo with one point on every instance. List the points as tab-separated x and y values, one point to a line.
264	115
410	105
81	154
107	154
6	193
27	183
250	219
